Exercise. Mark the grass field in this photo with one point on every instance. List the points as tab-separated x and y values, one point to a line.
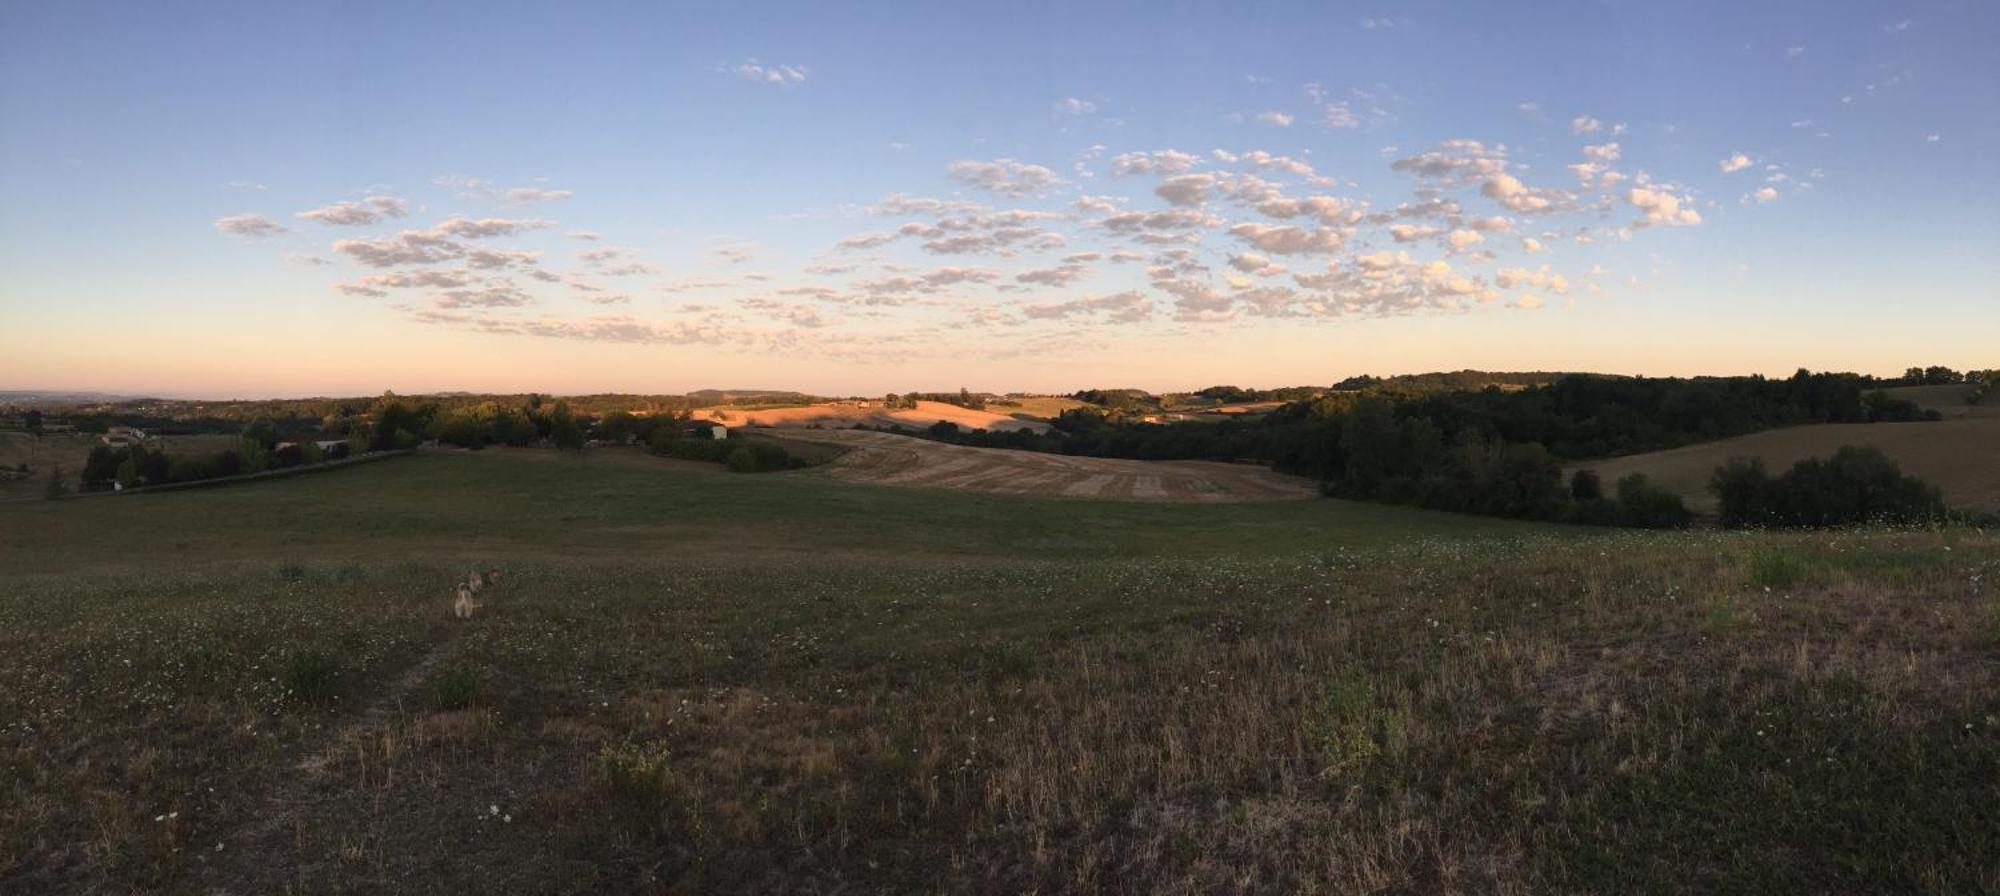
693	681
888	459
1960	456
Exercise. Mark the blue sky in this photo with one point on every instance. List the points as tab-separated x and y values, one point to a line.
288	198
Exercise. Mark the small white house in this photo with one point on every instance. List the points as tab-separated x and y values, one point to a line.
718	432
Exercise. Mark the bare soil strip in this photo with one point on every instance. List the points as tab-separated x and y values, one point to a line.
887	459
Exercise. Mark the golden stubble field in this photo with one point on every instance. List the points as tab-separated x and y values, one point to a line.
845	414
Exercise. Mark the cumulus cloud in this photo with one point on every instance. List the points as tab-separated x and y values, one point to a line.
1074	106
1455	161
1004	176
489	227
1060	275
1122	307
1286	239
1584	124
1279	119
480	188
1163	162
777	75
1736	162
353	214
496	296
1338	115
1661	207
1186	189
249	225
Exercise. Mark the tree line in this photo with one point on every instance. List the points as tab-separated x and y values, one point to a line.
1492	451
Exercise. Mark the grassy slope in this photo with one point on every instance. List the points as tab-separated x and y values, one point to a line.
496	505
1960	456
1948	400
696	682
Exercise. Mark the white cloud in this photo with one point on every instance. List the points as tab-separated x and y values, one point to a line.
1074	106
1004	176
1162	161
1061	275
1736	162
1186	189
1661	207
582	234
488	227
249	225
1584	124
1276	118
1286	239
480	188
1122	307
352	214
779	75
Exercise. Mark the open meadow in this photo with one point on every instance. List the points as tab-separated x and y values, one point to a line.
888	459
692	681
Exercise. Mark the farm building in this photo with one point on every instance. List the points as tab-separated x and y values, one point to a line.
123	437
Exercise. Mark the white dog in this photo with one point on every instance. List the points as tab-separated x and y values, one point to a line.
464	606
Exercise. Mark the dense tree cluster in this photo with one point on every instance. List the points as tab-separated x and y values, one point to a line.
256	452
1856	485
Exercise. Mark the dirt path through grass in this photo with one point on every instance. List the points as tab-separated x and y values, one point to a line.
261	844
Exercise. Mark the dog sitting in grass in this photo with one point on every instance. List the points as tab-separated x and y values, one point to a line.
469	590
464	606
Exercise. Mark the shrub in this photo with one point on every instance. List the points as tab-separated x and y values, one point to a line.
455	688
1584	485
1355	729
310	675
1647	506
1856	485
56	487
637	776
760	457
1776	570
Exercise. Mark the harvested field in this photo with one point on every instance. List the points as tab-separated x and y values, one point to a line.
1959	456
846	414
1949	400
888	459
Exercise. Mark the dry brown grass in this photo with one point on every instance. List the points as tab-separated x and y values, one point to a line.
1961	457
1610	715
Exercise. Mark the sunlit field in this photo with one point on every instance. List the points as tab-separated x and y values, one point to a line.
691	681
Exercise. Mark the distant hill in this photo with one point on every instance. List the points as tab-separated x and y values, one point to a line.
32	397
703	397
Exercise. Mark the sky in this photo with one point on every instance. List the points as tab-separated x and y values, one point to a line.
246	200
